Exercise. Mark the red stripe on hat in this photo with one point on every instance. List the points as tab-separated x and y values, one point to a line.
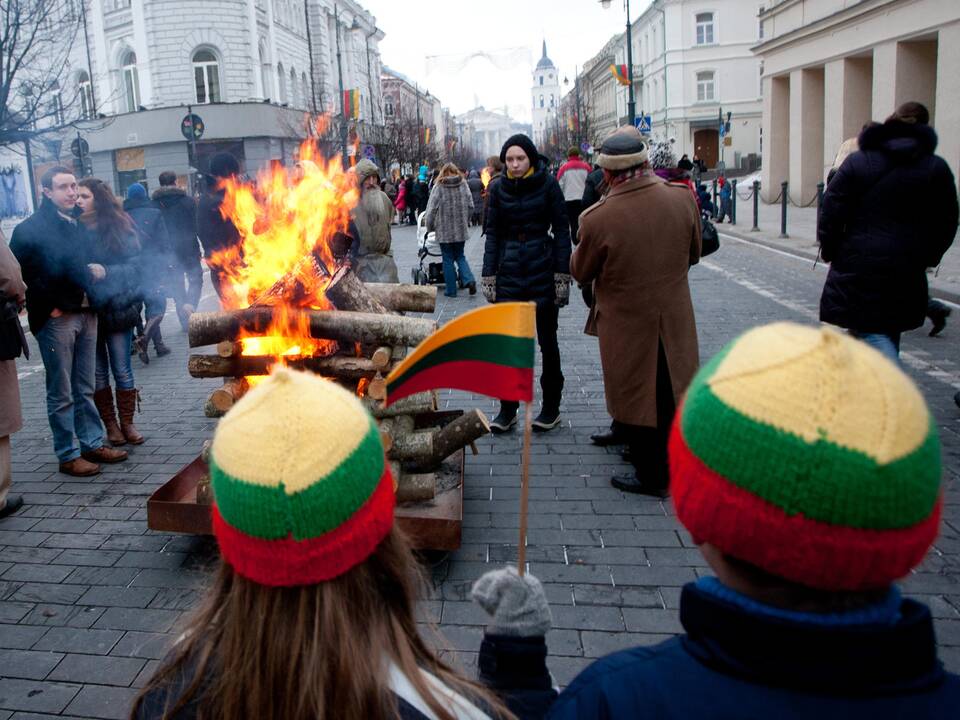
794	547
289	562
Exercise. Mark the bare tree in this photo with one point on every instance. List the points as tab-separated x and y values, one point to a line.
35	41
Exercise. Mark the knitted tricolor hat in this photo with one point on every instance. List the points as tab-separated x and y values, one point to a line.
302	492
808	454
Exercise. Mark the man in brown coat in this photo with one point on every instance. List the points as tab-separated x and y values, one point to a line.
11	289
636	246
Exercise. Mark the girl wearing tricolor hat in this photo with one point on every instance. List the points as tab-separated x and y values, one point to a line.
311	614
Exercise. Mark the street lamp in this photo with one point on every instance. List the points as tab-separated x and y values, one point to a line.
631	105
576	91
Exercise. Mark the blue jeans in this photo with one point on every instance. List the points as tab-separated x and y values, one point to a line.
113	353
453	253
68	346
887	344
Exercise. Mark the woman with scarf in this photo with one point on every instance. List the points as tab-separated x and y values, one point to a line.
448	214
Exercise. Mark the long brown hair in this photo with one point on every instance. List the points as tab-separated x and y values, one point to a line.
112	224
311	652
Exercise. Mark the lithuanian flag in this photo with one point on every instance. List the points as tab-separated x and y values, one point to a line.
620	73
488	351
351	104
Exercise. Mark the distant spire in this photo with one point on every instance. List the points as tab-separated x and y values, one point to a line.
544	49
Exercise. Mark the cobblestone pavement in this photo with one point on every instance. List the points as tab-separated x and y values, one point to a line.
89	598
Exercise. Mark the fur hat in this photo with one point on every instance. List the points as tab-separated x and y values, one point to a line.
661	155
623	149
365	168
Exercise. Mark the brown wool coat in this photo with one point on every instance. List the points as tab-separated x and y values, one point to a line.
636	246
11	285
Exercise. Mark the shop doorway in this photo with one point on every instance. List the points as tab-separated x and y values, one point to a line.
706	144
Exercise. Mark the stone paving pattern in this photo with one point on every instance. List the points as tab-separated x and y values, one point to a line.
90	599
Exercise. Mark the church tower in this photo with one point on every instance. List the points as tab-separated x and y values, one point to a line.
546	97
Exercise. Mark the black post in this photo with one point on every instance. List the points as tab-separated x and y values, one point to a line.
783	209
631	104
733	202
343	104
756	206
313	79
28	154
716	208
820	187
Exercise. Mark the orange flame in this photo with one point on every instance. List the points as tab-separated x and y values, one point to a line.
287	223
485	176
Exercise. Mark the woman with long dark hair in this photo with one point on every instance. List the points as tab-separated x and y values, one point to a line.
117	299
311	615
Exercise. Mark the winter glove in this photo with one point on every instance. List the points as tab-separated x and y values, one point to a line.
517	605
561	286
488	286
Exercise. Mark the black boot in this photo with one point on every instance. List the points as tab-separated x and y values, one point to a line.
549	416
938	313
614	436
633	483
505	419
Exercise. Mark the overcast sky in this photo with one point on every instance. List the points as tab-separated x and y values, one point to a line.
575	31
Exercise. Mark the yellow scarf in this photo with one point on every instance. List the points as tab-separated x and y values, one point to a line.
527	174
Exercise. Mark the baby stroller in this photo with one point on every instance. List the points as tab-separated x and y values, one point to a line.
430	271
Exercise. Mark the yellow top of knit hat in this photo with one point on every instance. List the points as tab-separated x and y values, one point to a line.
818	383
291	430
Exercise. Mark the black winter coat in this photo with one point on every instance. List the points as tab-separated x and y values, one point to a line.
215	233
888	214
180	218
593	189
527	236
118	298
53	254
156	253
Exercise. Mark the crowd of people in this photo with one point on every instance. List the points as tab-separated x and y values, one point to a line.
808	499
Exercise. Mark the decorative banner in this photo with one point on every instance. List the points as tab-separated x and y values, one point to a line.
351	104
620	74
488	351
426	136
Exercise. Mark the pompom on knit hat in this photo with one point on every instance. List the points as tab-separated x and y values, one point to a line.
661	155
806	453
302	491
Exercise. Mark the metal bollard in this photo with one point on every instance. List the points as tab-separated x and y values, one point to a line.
820	187
716	207
783	210
733	202
756	206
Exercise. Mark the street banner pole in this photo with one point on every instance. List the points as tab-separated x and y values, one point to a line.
524	488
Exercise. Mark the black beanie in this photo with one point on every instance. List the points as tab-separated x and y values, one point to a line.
224	165
525	144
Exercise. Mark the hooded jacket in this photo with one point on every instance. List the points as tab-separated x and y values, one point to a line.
449	210
156	254
888	214
180	218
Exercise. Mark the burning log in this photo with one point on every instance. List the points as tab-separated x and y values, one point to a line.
405	297
228	348
348	368
347	292
207	328
413	405
382	357
416	487
224	397
293	287
377	388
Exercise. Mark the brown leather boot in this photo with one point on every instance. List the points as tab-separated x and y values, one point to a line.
78	467
127	405
103	399
104	454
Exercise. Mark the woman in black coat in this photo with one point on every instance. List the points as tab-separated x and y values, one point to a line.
527	258
888	214
117	298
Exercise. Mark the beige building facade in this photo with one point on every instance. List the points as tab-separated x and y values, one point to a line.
830	66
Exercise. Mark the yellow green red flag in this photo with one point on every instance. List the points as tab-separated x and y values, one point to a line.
488	351
620	73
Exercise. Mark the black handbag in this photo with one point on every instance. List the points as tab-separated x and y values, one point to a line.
709	238
13	342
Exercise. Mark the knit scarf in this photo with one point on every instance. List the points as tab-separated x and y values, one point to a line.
527	174
629	175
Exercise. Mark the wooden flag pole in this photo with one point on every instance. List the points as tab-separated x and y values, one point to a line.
524	488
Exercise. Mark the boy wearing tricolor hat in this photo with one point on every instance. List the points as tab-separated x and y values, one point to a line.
806	466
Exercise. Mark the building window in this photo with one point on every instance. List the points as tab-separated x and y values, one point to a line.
119	4
294	95
388	107
541	101
86	94
760	24
56	104
705	86
551	100
541	81
206	76
307	94
704	28
264	73
281	83
131	81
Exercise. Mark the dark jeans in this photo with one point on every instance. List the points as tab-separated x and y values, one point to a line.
186	284
886	343
648	445
551	378
113	353
453	253
574	208
724	211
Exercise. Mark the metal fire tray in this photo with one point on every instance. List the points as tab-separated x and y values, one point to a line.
431	525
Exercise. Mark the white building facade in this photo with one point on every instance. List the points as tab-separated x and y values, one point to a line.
692	60
545	97
830	66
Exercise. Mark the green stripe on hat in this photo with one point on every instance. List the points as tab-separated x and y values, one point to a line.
270	513
819	480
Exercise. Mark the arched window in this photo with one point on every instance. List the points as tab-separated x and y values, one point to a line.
307	94
388	106
294	89
541	101
281	83
541	81
265	73
704	28
206	76
85	88
705	86
56	103
551	99
131	81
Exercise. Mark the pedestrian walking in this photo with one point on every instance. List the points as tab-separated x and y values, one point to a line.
115	244
12	299
55	258
157	260
448	215
889	213
642	311
312	613
410	200
217	233
572	177
179	212
726	195
495	172
372	217
400	203
421	194
476	192
527	258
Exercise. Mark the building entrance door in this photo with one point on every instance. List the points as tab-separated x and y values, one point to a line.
706	144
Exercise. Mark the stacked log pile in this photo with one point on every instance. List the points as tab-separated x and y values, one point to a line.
371	337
